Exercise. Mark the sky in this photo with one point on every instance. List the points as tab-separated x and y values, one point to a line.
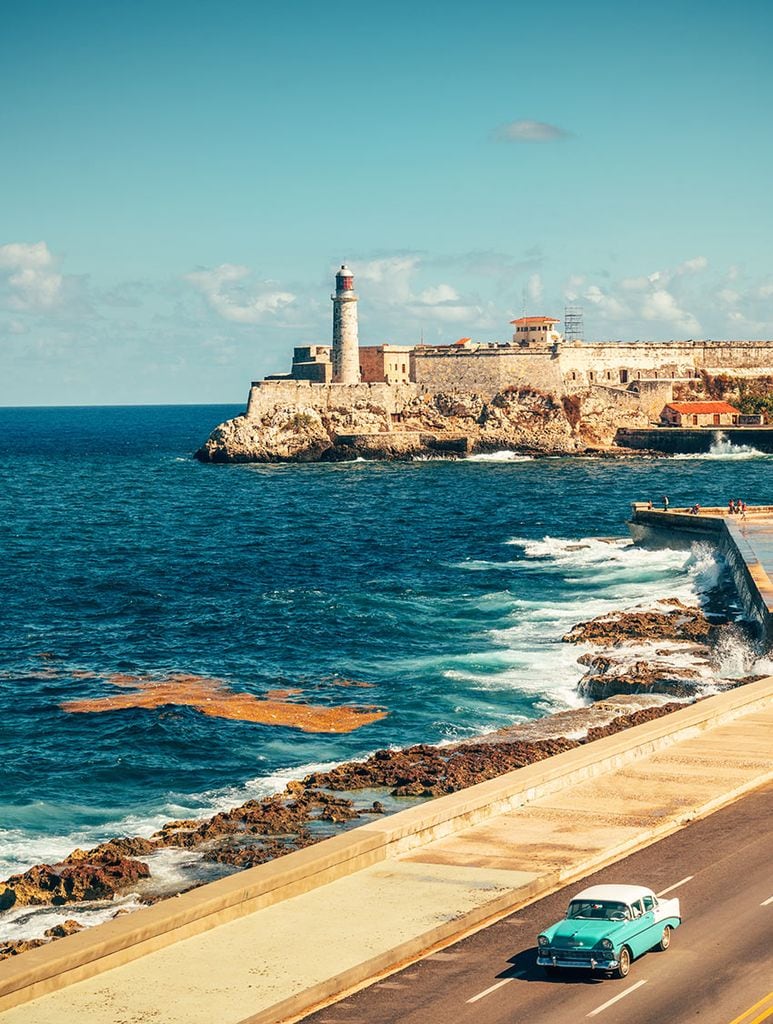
180	181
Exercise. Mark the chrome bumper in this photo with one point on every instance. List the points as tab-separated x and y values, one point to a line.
566	961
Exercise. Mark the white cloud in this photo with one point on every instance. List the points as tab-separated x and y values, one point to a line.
609	306
693	266
534	288
34	283
391	275
226	294
391	287
573	286
662	305
526	130
440	293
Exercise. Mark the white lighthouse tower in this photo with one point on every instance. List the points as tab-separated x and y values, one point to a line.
346	348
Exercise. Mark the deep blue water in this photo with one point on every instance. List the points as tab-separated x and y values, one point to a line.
445	585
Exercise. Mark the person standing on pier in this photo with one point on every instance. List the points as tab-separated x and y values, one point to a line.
665	503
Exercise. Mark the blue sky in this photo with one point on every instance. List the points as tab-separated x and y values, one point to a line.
179	181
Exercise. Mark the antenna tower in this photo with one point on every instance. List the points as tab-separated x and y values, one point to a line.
574	328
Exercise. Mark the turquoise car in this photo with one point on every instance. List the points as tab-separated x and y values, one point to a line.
606	927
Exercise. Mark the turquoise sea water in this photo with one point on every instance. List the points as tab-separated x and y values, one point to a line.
444	585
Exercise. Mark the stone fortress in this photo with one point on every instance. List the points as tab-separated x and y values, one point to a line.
473	395
537	356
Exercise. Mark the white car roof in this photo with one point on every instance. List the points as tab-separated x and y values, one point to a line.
621	893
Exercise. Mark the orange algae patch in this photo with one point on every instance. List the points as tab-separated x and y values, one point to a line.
213	697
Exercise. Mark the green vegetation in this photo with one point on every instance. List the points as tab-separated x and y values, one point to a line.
301	421
750	395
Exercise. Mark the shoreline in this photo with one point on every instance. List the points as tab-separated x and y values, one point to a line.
323	803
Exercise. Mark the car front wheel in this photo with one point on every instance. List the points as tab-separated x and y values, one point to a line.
623	963
665	938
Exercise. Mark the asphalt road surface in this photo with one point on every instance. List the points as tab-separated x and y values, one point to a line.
719	969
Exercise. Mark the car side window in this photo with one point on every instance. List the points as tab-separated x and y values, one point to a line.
636	909
649	903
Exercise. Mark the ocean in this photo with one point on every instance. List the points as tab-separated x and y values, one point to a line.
441	588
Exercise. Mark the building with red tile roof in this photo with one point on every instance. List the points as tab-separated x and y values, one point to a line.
700	414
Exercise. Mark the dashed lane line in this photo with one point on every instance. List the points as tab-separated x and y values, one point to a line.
499	984
614	999
675	885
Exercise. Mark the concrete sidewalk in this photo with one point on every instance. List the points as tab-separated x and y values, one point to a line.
277	962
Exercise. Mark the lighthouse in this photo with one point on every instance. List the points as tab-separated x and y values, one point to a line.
346	349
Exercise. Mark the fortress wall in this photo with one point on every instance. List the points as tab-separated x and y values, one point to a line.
267	396
729	356
486	371
622	362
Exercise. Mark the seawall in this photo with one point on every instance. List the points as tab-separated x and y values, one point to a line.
745	543
698	439
368	901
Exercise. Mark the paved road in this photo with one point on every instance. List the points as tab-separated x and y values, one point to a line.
719	969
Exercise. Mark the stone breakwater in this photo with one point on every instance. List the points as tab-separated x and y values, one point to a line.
639	661
336	423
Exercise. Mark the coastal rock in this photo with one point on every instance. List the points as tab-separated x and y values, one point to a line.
612	714
608	677
290	435
670	649
678	622
452	422
426	771
262	830
82	876
60	931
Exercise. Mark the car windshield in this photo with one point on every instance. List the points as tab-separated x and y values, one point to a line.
598	910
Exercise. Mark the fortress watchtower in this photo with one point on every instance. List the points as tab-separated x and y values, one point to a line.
346	351
531	330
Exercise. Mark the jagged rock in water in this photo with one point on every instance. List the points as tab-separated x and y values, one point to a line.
82	876
681	622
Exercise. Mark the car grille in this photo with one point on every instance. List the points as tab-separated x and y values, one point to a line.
577	954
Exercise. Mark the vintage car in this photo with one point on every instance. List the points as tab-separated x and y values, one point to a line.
605	927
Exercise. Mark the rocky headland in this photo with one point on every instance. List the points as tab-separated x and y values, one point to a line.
440	423
641	663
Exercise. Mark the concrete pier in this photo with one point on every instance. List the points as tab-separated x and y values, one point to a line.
745	542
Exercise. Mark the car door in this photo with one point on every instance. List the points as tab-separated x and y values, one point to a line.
642	924
652	918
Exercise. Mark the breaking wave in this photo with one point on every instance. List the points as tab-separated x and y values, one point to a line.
722	448
501	456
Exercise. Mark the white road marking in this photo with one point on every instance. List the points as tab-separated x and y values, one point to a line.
675	885
499	984
767	901
614	999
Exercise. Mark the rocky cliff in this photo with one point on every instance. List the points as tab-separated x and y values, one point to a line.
517	419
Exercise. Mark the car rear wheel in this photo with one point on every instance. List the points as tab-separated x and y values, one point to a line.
623	963
665	938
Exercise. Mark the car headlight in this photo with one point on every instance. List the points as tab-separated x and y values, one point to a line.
607	944
542	940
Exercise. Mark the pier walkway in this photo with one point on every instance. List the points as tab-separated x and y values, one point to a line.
273	942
